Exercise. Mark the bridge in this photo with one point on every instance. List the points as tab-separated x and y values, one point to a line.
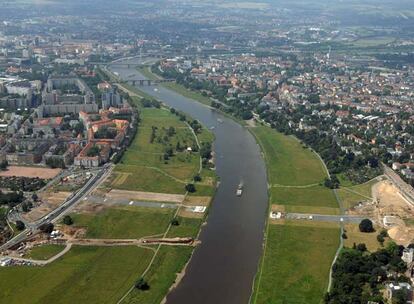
147	82
124	65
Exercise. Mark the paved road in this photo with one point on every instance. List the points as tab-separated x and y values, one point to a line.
325	218
127	202
66	207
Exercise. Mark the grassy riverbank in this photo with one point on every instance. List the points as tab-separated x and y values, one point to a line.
145	167
83	275
298	254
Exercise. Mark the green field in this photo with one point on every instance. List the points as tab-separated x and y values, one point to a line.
188	227
170	260
298	254
83	275
44	252
352	195
296	264
287	162
125	222
144	160
316	196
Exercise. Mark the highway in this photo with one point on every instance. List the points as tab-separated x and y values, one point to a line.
59	212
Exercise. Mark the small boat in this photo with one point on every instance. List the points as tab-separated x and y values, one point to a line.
239	190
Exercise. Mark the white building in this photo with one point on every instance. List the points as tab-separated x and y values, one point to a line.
408	255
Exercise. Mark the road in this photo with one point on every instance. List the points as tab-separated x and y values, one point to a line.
405	189
325	218
65	208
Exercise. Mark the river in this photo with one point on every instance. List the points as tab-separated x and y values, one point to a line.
223	266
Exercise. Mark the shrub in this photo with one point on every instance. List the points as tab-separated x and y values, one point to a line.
141	284
366	226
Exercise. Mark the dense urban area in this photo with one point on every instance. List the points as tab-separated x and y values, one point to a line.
187	151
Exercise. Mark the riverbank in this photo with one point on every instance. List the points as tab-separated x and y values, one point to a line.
297	254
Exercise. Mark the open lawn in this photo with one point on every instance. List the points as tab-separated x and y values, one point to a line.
188	227
125	222
316	196
352	195
144	166
170	260
296	264
83	275
369	239
148	180
44	252
288	163
298	255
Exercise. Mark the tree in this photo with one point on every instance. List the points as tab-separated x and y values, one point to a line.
141	284
175	222
3	165
197	178
46	228
247	115
20	225
67	220
361	247
366	226
190	188
93	151
35	197
171	131
399	297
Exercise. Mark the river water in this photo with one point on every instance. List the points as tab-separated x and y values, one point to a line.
223	266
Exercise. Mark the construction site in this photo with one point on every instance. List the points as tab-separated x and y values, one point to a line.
388	208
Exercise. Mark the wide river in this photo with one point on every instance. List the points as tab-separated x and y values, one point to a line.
223	267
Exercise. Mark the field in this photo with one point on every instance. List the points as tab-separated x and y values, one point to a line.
298	254
44	252
163	273
352	195
124	222
296	264
188	227
315	196
144	167
287	162
43	173
369	239
84	275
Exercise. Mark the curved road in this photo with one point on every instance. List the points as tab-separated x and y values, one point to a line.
223	267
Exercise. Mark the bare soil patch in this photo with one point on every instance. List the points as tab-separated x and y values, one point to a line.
49	201
387	201
43	173
90	207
